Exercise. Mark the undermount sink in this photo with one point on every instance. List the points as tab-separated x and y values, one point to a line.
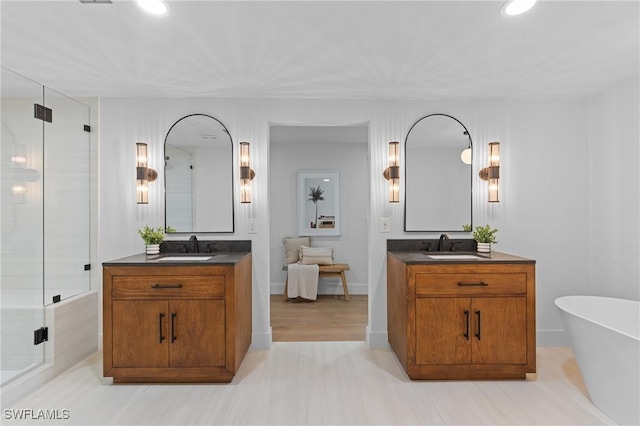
183	258
453	256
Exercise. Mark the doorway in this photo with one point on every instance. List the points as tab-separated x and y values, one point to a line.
345	149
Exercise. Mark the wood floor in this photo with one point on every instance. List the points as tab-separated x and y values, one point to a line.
329	318
320	383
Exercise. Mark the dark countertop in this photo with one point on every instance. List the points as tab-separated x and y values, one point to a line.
217	259
422	258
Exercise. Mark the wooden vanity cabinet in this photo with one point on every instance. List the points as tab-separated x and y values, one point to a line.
174	323
462	320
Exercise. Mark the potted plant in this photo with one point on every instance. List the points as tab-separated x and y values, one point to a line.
153	237
484	236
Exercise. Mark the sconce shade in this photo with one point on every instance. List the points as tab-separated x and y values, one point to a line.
392	173
494	154
465	156
492	172
142	183
493	191
141	155
142	192
246	173
245	160
245	193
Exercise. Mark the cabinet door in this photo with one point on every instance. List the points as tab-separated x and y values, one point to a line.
140	330
442	330
197	333
499	330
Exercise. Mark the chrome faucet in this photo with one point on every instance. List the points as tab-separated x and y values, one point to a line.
442	238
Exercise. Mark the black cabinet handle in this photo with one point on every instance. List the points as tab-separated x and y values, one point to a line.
466	315
478	316
160	316
480	284
173	328
166	286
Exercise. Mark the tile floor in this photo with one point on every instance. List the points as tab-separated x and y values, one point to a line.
319	383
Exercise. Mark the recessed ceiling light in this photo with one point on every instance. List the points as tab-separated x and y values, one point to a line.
516	7
153	7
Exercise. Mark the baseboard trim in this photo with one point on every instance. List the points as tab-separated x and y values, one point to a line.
261	341
376	339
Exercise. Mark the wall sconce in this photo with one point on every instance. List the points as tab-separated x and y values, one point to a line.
466	154
392	173
492	172
144	174
246	173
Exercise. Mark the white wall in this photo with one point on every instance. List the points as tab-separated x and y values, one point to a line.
541	214
286	159
614	193
545	184
211	177
446	203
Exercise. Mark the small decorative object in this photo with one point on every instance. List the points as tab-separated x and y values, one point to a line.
485	235
153	237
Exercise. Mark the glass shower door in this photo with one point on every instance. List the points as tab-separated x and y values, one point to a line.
67	157
22	215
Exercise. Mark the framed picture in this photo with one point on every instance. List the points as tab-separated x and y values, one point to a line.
319	203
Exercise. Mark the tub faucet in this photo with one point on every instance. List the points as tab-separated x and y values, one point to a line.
440	241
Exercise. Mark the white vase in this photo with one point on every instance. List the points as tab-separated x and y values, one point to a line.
484	247
153	249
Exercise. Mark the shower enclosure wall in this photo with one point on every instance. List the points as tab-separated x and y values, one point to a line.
45	214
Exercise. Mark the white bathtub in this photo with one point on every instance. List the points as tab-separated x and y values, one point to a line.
605	335
73	335
16	327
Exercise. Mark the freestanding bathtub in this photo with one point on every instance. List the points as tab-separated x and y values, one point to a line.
605	335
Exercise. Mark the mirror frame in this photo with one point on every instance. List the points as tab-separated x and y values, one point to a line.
233	201
405	176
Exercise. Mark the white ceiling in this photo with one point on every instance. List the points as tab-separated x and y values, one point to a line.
323	49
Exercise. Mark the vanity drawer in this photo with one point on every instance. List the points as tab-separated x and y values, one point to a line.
471	284
167	286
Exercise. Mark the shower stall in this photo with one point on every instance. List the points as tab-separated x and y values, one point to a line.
45	210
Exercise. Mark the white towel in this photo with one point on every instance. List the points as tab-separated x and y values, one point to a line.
303	281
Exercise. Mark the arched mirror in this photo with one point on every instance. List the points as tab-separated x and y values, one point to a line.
198	175
437	175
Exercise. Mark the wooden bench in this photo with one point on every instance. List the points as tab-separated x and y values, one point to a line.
335	270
